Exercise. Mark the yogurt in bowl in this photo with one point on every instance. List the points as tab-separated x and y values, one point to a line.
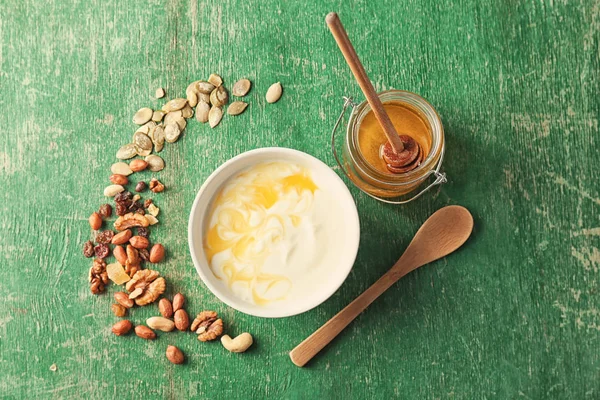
273	232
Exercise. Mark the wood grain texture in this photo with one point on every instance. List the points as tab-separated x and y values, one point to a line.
515	313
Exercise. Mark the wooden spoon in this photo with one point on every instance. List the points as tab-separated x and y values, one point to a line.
445	231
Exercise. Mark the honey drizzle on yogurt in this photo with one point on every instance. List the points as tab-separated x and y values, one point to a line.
248	218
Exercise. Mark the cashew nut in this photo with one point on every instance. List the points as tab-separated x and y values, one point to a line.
239	344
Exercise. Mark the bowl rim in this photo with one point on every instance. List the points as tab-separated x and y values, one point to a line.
342	193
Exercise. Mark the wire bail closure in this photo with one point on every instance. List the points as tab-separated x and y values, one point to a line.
440	177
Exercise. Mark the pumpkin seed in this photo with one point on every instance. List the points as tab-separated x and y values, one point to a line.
172	132
113	190
174	105
192	99
158	138
187	111
142	141
236	108
205	87
241	87
214	116
146	127
182	123
160	93
202	110
142	116
172	117
158	115
155	163
204	97
142	152
126	152
121	168
274	92
219	97
215	80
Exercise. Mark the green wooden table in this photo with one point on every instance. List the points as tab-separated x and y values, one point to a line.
514	314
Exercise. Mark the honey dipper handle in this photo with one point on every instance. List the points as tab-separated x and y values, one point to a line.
341	37
313	344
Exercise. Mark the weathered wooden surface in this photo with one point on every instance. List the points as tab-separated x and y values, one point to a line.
514	314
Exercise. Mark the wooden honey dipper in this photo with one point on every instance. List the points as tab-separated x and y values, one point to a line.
401	152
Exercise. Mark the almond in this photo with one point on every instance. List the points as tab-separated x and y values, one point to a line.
175	355
133	256
118	310
182	321
120	254
178	301
119	179
160	323
95	221
123	299
139	242
165	308
138	165
157	253
122	237
122	327
144	332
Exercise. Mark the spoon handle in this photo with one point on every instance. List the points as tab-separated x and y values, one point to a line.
313	344
343	41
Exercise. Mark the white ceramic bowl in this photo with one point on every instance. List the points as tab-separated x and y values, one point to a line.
333	184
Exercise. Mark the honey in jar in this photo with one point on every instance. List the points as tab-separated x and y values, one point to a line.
407	122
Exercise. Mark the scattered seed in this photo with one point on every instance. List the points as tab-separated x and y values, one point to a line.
236	108
204	97
121	168
142	116
172	132
158	138
274	92
192	99
113	190
204	87
187	111
214	116
215	80
219	97
241	87
158	115
202	110
174	105
126	152
155	163
53	368
145	129
160	93
142	143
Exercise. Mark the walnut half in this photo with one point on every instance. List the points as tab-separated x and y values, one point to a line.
145	287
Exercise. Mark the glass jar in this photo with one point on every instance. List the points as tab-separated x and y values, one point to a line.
389	187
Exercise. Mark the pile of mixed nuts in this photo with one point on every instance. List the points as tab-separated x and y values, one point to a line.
130	243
